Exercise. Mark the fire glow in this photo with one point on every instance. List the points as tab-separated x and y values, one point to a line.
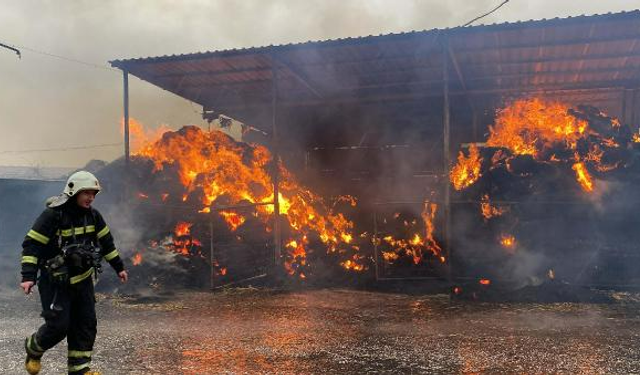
508	241
537	127
417	244
543	152
583	177
540	128
183	241
530	126
213	167
489	211
467	171
137	259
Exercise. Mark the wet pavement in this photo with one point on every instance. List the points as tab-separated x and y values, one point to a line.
248	331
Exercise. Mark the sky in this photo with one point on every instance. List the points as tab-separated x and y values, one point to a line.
50	103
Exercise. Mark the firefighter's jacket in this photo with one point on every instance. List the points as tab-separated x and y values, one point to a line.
59	226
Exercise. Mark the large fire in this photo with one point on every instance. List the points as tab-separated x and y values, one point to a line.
549	138
532	126
218	171
545	130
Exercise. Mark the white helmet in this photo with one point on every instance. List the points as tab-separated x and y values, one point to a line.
79	181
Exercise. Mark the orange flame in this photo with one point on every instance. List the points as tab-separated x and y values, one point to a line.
233	219
485	282
390	256
528	126
182	229
183	242
141	136
428	215
352	264
489	211
137	259
535	126
297	257
467	171
583	176
416	244
636	137
508	241
213	163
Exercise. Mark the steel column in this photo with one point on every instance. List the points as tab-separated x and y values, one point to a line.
376	255
276	164
634	110
125	78
446	123
211	257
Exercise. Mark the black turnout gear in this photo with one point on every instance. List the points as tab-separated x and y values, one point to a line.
63	226
73	316
64	246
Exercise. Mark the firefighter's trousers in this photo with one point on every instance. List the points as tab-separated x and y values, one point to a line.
73	317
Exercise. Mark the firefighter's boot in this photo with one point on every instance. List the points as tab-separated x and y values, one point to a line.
34	353
32	365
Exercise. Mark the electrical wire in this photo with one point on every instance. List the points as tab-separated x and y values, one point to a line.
71	148
68	59
486	14
17	51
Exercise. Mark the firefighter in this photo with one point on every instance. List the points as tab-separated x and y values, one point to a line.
62	253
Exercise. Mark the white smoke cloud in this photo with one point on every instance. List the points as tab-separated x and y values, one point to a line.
52	103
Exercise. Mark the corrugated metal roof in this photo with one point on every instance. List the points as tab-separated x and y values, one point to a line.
600	51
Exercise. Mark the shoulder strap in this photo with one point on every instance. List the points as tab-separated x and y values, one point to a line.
60	225
94	216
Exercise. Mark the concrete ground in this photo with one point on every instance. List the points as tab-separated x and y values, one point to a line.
248	331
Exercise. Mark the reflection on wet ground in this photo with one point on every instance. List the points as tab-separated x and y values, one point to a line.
342	332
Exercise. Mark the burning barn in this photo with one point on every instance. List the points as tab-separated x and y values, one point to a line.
480	155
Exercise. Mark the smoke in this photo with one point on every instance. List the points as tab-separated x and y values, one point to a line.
77	30
160	268
21	201
526	268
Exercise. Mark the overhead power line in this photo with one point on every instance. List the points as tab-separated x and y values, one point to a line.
60	57
486	14
70	148
17	51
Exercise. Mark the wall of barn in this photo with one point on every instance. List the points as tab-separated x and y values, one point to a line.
21	201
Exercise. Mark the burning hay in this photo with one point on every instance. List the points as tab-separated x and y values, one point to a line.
533	131
208	184
208	200
539	199
527	200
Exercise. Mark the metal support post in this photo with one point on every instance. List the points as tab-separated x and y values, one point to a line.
376	255
276	165
634	110
125	77
446	123
127	156
211	257
474	124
